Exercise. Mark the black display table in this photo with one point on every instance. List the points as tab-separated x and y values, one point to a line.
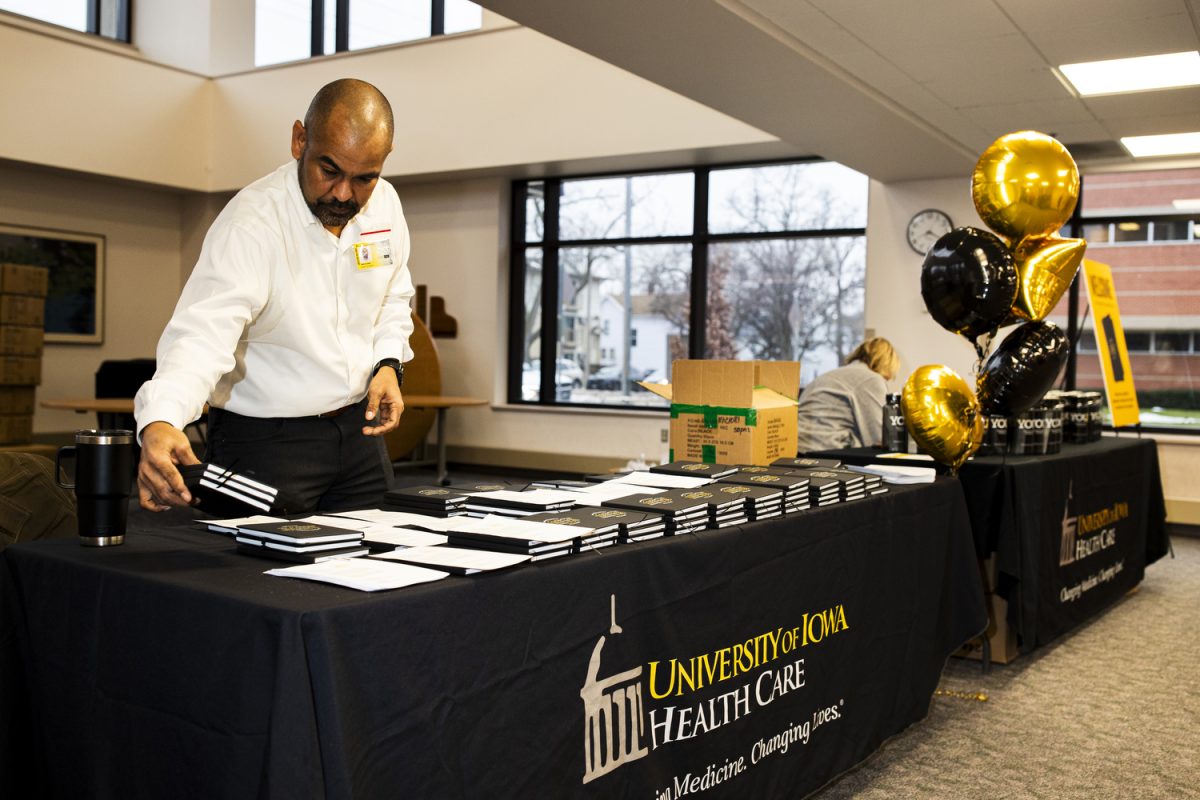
758	661
1071	532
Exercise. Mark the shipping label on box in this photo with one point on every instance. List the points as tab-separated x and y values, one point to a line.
21	340
16	399
24	279
20	371
17	309
16	428
732	412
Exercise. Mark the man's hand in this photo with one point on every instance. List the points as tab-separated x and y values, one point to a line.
383	401
160	485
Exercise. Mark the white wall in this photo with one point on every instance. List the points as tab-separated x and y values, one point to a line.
142	279
894	308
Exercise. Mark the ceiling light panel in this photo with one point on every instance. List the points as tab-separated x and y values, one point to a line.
1142	74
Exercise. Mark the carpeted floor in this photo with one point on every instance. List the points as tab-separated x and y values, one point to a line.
1111	710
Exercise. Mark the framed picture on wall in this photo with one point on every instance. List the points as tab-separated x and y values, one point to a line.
75	302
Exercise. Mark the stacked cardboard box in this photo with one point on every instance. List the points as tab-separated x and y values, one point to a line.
22	319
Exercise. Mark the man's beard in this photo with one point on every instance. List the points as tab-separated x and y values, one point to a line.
333	212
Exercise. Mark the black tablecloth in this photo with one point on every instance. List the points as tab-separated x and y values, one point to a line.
757	661
1072	532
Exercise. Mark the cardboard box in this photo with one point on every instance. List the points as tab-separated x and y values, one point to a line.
20	370
16	428
17	399
24	279
17	309
732	412
21	340
1003	639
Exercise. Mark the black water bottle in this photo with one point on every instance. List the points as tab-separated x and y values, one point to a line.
895	435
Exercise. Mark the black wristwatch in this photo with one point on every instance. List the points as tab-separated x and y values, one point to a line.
395	364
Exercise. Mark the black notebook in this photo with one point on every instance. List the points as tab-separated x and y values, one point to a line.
697	469
807	463
298	532
223	493
307	557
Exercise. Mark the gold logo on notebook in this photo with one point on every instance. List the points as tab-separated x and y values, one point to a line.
433	491
696	467
654	501
298	527
735	489
764	478
562	521
608	514
696	495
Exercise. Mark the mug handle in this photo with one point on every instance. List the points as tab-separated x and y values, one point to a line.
58	457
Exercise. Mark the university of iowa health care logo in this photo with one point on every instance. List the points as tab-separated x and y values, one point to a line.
614	727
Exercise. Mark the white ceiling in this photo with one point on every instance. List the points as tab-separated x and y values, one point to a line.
898	89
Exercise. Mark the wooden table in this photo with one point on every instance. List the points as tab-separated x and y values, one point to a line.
109	409
439	403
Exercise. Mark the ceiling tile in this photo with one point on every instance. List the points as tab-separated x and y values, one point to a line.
968	90
1103	39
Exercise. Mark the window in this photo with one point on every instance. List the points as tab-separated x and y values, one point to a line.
107	18
636	271
291	30
1132	223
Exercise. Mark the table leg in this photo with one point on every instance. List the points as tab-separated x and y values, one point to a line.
441	448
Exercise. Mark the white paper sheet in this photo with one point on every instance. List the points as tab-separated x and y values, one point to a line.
364	574
661	480
455	558
402	537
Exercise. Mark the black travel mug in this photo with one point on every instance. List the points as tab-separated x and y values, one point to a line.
103	483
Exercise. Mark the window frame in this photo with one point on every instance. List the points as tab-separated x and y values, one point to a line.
550	244
341	35
95	8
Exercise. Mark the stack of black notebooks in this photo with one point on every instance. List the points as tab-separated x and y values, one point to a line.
695	469
724	509
795	487
762	502
631	526
682	514
849	485
298	540
605	530
538	548
433	501
519	504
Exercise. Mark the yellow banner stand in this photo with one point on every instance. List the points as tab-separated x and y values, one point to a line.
1110	341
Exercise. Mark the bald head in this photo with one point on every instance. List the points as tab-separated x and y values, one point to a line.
340	149
355	104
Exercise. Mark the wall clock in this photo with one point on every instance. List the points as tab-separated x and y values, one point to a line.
926	227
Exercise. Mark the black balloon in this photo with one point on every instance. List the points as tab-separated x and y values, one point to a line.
1023	367
969	281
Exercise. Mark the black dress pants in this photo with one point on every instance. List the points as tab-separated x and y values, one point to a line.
326	463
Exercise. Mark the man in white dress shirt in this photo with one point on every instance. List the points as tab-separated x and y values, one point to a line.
294	325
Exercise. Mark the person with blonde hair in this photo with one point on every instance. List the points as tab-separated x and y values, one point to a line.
844	407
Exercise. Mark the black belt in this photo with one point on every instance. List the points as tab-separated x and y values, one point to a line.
337	412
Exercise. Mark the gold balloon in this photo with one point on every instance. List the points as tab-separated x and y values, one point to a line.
1025	184
1046	268
942	414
